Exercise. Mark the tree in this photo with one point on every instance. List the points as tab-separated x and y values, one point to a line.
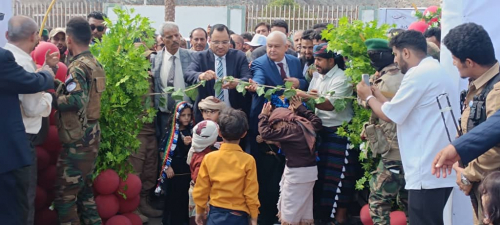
170	10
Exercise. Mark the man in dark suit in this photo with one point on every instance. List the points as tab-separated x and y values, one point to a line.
215	63
274	68
15	150
277	25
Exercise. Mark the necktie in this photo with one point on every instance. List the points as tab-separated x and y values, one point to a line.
220	75
171	73
170	83
282	71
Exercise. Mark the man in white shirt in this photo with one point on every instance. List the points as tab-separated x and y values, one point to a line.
335	185
22	38
421	132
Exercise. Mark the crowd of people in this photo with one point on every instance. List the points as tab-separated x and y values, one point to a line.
243	159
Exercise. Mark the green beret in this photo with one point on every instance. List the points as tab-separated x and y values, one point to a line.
45	32
377	44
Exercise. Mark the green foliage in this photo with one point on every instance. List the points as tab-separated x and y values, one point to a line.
348	39
123	111
280	3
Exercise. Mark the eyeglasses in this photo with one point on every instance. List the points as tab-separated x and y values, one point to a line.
219	42
209	111
99	28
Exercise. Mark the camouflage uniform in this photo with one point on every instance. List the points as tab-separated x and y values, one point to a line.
387	183
78	105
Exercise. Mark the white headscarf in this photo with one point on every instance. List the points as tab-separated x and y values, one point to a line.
204	135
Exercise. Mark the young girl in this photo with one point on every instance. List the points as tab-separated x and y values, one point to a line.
490	197
175	174
295	130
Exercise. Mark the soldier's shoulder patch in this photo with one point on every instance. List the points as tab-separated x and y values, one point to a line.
71	86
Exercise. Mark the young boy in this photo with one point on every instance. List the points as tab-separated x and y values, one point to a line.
205	134
210	108
228	177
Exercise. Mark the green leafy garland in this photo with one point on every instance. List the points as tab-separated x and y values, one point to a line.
348	39
123	110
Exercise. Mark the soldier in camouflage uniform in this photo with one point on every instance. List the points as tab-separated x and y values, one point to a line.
78	109
387	183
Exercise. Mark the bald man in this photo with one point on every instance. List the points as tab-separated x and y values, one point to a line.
274	68
238	41
22	38
297	36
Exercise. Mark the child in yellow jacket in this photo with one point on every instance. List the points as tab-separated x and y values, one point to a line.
228	178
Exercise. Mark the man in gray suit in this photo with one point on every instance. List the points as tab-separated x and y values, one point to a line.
168	70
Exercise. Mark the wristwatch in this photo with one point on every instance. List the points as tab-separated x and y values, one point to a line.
464	180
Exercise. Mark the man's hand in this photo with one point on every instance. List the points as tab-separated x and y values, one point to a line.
208	75
295	81
252	87
48	69
187	140
229	85
170	172
376	92
51	59
200	219
266	109
444	160
465	188
363	90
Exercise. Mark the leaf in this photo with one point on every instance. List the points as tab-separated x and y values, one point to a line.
229	78
218	86
330	93
288	84
319	100
163	100
289	93
339	105
192	93
178	95
311	104
168	90
241	88
269	93
261	90
203	83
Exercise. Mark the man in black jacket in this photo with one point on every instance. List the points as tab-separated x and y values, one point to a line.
15	150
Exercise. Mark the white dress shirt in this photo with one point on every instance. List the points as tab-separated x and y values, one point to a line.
224	72
334	80
178	76
33	106
421	131
285	66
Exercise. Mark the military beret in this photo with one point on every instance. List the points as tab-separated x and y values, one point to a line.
322	51
377	44
45	32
